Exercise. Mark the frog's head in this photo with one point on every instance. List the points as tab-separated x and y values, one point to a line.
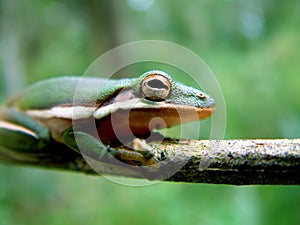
156	95
159	87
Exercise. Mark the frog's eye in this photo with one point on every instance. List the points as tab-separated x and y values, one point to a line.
156	87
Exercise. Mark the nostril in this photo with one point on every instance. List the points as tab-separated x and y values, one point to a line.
202	96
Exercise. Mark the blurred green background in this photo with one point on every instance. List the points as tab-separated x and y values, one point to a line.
253	47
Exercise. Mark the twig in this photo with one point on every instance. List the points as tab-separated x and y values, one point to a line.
237	162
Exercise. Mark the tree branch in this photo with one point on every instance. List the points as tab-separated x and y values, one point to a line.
237	162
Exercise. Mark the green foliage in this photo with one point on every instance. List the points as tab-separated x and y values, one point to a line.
253	48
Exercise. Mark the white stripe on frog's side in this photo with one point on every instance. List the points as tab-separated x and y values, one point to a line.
83	112
72	112
135	103
18	128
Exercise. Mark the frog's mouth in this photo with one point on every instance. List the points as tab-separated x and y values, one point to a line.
148	109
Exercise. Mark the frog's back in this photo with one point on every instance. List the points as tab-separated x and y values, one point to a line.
58	91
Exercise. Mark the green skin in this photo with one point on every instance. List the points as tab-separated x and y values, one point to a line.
49	111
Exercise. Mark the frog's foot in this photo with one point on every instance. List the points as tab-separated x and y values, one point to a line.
141	154
143	148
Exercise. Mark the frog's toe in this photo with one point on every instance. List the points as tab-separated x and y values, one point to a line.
135	158
143	148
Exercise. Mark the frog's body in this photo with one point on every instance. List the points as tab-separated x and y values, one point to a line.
55	109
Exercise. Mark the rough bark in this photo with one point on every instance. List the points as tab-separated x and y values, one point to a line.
236	162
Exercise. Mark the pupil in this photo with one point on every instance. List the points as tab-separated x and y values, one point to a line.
157	84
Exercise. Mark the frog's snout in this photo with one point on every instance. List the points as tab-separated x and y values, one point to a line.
206	101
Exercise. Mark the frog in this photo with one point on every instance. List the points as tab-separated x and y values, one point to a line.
91	115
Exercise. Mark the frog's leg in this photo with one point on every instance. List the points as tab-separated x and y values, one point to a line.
20	136
92	147
85	143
